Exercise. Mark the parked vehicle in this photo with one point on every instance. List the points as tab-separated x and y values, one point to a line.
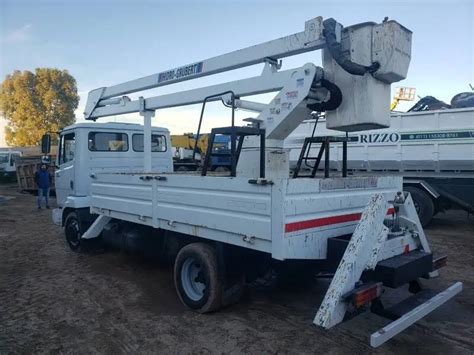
25	173
223	230
432	150
8	162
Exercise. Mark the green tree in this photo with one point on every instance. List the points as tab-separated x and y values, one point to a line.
36	103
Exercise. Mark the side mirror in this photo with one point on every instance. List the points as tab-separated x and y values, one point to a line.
46	144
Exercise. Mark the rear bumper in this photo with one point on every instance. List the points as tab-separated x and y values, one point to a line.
415	314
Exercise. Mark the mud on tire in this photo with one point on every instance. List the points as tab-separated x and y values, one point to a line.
196	277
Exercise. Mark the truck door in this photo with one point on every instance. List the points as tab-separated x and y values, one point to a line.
64	175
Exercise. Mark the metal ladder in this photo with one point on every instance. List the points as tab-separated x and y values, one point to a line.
324	149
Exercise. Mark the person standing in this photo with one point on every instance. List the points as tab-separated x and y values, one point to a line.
43	181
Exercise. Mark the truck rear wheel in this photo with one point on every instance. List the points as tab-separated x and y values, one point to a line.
423	204
197	279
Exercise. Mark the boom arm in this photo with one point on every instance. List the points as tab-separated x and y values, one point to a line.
360	63
309	40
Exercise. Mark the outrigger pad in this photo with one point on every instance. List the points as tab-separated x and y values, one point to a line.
401	269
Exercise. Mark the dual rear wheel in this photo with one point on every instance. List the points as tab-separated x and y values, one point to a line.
196	277
200	282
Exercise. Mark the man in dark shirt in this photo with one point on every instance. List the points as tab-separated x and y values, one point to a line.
43	181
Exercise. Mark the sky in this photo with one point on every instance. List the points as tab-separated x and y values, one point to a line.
102	43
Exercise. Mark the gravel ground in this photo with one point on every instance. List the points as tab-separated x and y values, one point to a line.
55	301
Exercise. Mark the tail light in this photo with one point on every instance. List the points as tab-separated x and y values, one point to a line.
364	294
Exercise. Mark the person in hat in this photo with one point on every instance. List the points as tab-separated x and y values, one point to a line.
43	181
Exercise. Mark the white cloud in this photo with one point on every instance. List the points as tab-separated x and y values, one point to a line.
19	35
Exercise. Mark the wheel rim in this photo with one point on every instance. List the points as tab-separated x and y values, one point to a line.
73	233
192	279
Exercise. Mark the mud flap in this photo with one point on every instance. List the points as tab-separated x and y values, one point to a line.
96	228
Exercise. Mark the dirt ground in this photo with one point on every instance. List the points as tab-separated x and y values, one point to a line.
55	301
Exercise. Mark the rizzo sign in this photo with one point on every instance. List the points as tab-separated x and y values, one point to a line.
407	137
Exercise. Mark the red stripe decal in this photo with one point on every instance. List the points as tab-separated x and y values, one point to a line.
325	221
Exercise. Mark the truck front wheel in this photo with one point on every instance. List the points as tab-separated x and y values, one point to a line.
196	277
74	228
73	232
423	204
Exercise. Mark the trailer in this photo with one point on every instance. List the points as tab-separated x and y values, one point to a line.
432	150
25	173
256	217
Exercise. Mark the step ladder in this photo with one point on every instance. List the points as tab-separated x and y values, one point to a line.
324	149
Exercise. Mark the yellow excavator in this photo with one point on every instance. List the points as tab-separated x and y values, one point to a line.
188	141
185	160
402	94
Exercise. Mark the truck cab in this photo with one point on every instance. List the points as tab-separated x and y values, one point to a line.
85	149
8	161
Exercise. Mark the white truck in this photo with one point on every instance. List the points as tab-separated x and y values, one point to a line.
364	229
8	159
432	150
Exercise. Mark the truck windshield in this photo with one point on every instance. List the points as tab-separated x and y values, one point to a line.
108	142
3	158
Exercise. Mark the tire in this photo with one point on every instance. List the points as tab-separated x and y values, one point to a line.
423	204
73	231
182	169
197	278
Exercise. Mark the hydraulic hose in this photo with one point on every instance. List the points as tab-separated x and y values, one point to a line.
334	100
343	60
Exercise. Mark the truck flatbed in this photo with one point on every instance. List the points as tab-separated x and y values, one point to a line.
289	218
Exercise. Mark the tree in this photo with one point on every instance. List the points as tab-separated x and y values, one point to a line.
36	103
